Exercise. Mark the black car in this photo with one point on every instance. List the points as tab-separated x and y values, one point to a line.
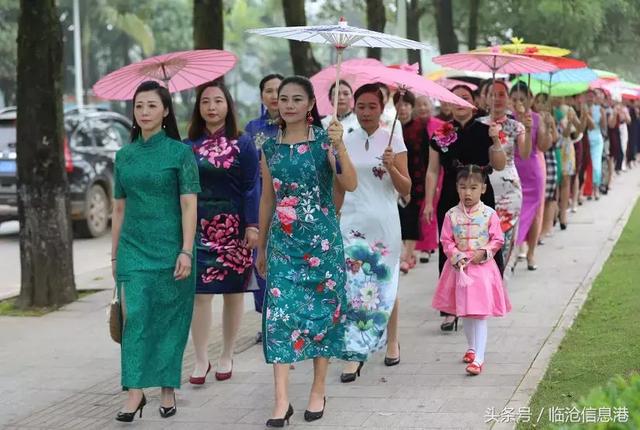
93	136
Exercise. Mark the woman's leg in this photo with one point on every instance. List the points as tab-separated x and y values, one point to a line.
564	198
231	319
532	240
167	397
393	349
200	328
550	210
134	395
318	389
281	386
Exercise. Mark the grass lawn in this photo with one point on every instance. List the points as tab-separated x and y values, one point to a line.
8	307
603	340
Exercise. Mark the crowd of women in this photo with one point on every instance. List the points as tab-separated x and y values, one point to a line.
319	218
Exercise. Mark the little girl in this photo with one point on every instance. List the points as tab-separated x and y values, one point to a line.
470	285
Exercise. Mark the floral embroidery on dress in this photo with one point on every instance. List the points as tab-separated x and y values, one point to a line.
445	135
218	236
220	152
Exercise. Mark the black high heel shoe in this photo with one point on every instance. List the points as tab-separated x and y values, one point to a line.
170	411
392	361
279	422
312	416
127	417
350	377
449	326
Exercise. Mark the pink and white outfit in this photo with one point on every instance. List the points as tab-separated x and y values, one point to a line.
483	294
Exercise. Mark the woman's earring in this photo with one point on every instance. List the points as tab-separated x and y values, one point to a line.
164	125
309	118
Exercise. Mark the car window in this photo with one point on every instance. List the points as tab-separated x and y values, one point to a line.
106	135
122	130
82	137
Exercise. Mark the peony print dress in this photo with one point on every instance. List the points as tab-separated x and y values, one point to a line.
370	226
228	204
303	314
506	184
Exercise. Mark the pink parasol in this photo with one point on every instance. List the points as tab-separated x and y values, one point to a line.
178	71
352	72
494	62
449	83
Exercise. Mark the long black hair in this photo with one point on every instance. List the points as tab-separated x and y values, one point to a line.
521	87
169	123
267	78
198	126
307	86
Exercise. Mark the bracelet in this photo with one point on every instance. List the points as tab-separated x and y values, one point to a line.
187	253
253	228
113	259
492	148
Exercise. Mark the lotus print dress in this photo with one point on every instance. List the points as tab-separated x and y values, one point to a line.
304	305
370	225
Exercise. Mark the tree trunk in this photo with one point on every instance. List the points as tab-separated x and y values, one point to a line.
46	257
414	13
208	24
304	63
376	20
447	39
474	9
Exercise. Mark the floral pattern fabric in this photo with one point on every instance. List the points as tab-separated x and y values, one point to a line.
506	184
303	313
370	226
227	205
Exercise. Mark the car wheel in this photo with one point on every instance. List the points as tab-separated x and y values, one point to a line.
96	217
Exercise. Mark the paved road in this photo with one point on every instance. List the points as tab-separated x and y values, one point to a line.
90	255
61	371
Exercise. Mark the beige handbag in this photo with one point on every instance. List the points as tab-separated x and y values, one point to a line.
115	317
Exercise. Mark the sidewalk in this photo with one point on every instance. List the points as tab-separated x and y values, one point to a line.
62	372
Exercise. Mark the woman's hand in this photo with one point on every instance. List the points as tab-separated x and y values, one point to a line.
335	132
113	269
461	264
387	158
261	262
494	131
427	212
183	267
527	121
251	237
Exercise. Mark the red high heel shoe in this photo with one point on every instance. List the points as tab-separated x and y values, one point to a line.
199	380
474	368
223	376
469	356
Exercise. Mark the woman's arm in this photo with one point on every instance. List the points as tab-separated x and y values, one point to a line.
431	182
249	167
544	135
396	165
189	210
497	156
267	204
117	216
347	178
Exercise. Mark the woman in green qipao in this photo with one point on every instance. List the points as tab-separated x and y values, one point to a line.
153	226
304	262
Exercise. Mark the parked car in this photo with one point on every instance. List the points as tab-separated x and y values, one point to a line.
92	137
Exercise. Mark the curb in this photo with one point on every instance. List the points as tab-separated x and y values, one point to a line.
529	383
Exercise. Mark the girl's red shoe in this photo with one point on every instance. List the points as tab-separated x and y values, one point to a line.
474	369
469	356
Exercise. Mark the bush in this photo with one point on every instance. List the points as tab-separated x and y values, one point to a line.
613	406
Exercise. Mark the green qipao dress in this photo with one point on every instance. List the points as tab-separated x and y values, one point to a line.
304	305
150	175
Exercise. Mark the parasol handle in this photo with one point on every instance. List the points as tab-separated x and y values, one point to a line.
336	90
402	90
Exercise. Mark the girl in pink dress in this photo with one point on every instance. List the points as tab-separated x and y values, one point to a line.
470	285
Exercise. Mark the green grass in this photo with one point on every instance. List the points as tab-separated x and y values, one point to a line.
8	307
603	341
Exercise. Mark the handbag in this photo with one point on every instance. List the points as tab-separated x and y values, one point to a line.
114	316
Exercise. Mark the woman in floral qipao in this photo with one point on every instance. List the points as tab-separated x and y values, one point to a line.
227	222
300	248
370	225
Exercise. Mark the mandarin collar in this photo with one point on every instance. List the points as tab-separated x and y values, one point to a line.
157	137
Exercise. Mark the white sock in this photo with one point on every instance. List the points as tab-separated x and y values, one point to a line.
469	332
480	329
